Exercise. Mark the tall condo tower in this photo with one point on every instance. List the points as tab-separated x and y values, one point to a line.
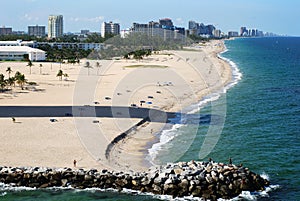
55	26
110	28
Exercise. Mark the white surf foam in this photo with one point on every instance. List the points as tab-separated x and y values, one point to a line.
264	176
236	74
7	187
245	195
167	135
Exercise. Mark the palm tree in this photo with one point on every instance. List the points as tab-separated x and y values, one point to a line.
98	67
2	85
87	65
9	71
66	76
30	64
2	82
1	78
20	79
41	65
11	81
17	74
60	74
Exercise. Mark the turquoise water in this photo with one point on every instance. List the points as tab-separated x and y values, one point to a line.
262	128
262	123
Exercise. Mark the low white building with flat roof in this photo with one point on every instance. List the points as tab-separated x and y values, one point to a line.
16	53
18	43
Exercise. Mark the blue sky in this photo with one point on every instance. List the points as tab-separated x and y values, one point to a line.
278	16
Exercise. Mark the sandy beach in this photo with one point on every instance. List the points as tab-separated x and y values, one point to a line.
168	82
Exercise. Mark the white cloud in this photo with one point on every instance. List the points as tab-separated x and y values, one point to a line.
29	17
85	19
96	19
179	21
74	19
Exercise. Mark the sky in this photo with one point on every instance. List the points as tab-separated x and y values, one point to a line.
277	16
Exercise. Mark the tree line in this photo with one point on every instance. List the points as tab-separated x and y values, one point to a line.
135	44
89	38
72	55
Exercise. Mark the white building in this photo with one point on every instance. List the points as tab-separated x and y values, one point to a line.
110	28
18	43
17	53
55	26
217	33
83	46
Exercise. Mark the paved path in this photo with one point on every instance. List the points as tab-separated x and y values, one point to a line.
84	111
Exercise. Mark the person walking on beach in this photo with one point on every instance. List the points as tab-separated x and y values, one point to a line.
74	162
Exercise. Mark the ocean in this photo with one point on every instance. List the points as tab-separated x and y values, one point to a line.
260	127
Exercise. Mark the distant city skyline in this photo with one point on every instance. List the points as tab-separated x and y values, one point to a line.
279	17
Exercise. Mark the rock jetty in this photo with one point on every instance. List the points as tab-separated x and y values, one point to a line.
209	180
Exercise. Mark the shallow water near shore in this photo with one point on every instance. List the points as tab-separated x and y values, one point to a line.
261	127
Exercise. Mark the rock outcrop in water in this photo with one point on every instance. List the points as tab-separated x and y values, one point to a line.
209	180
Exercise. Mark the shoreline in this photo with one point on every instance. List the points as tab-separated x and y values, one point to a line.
188	87
145	158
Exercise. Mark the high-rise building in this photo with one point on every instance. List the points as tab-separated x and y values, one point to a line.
110	28
84	32
217	33
55	26
166	23
200	29
164	29
193	25
243	31
233	34
38	31
5	31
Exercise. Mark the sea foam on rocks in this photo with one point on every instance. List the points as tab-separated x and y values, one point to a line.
209	180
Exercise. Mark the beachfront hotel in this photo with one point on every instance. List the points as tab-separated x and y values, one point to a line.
38	31
164	29
110	28
55	26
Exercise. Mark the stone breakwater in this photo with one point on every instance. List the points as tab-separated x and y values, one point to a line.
208	180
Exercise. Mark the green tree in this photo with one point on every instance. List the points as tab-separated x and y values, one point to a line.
66	76
26	57
88	66
20	79
98	67
41	66
17	74
2	82
60	74
11	81
30	64
9	71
